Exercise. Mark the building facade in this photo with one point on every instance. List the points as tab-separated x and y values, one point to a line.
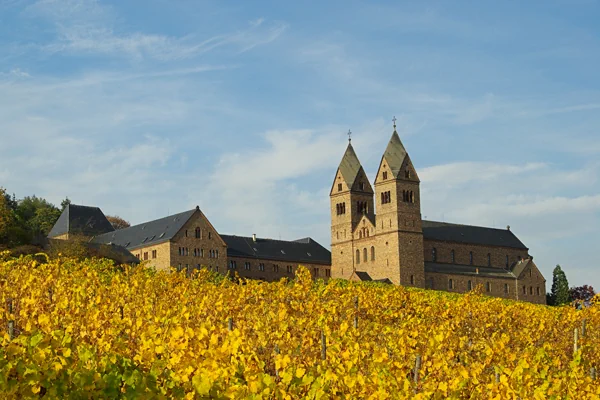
397	245
189	241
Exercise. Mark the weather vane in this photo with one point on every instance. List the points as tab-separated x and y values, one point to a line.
394	119
349	136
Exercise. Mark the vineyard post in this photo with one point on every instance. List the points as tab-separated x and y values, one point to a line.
575	340
277	352
230	324
50	295
593	373
416	371
356	313
583	328
121	310
497	376
323	346
11	323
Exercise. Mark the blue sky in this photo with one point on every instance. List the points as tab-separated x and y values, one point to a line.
149	108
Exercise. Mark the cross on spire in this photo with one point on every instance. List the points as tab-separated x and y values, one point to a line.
349	136
394	119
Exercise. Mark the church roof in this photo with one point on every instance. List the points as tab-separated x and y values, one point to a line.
152	232
82	220
303	250
350	165
364	276
395	153
456	269
444	231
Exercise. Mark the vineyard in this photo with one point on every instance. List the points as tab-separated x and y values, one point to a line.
71	329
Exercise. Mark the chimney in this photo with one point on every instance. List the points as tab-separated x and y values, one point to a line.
254	237
508	227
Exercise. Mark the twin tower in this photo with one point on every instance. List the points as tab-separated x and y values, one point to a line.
389	244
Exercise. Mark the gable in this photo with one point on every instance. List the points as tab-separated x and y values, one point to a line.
339	180
198	220
361	183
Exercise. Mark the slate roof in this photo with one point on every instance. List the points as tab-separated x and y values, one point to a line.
302	250
349	166
457	269
394	154
448	232
152	232
364	276
84	220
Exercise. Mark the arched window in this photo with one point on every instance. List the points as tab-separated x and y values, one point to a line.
531	290
360	234
372	253
538	290
365	258
357	256
452	256
469	285
197	233
412	196
506	288
450	284
434	254
470	258
412	279
488	287
489	260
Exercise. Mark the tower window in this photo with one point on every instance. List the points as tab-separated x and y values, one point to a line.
372	253
365	258
339	187
386	197
384	174
434	254
197	233
362	186
407	174
357	256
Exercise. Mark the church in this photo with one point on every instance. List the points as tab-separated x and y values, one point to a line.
377	233
394	245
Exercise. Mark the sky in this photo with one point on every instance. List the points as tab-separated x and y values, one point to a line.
149	108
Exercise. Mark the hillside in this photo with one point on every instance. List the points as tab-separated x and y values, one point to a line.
88	329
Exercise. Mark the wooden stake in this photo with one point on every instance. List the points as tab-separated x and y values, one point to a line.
356	312
276	353
593	373
50	293
575	340
121	309
230	324
11	323
323	346
417	368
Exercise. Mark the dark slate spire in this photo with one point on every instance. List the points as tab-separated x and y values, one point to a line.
395	153
349	166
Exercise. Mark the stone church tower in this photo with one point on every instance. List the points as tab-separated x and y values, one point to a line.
389	245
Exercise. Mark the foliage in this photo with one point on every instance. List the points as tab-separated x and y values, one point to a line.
560	287
117	222
87	330
6	216
585	293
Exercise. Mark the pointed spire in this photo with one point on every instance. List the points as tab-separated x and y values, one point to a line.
395	153
350	165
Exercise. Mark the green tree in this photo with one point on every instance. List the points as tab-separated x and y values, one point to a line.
37	215
64	204
7	217
560	287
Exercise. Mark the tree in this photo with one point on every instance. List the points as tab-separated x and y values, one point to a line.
117	222
37	215
64	204
560	287
7	218
584	293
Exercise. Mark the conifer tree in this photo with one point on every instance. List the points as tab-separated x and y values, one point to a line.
560	287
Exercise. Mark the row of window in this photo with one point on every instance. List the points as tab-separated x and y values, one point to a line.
145	255
198	233
185	251
488	287
434	257
276	269
363	233
386	197
340	208
408	196
362	207
365	255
